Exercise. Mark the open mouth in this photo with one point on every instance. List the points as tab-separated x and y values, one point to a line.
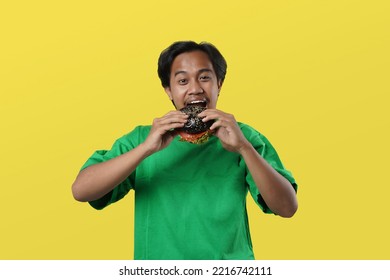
202	103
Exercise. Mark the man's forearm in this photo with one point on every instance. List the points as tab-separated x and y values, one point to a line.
97	180
276	190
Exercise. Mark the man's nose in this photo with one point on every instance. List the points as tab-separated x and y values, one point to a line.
195	88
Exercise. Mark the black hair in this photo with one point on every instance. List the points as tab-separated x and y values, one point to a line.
169	54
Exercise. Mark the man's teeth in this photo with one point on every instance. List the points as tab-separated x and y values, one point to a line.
198	102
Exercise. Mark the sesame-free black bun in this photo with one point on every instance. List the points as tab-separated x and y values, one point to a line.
194	123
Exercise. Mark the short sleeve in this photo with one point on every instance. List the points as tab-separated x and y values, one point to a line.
268	152
120	147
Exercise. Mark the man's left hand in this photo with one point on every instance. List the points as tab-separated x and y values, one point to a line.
225	127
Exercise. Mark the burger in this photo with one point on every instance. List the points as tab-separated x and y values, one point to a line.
195	130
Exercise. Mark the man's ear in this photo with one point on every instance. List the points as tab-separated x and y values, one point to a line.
220	83
168	92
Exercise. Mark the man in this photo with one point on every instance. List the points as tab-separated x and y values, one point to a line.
190	200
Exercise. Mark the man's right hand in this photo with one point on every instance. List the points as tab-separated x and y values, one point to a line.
97	180
163	131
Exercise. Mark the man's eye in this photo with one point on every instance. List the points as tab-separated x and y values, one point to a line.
205	78
182	81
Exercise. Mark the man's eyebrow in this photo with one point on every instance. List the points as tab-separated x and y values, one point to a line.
180	72
200	71
205	70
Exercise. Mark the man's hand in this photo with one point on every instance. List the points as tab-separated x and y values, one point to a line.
276	191
163	130
97	180
225	127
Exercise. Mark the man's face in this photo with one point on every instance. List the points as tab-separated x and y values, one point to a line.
193	80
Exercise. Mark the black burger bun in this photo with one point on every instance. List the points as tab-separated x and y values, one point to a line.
195	124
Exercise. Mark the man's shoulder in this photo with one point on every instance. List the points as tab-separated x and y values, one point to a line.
251	133
247	129
142	129
137	135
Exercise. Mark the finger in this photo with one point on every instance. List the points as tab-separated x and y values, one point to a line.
172	118
208	112
162	129
174	114
226	122
220	122
217	124
212	116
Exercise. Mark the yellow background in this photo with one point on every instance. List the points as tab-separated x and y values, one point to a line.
313	76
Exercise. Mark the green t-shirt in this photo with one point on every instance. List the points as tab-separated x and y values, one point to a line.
190	200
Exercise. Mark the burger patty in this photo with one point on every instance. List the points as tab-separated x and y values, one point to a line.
195	124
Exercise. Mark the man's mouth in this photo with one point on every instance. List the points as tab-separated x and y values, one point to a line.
201	102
